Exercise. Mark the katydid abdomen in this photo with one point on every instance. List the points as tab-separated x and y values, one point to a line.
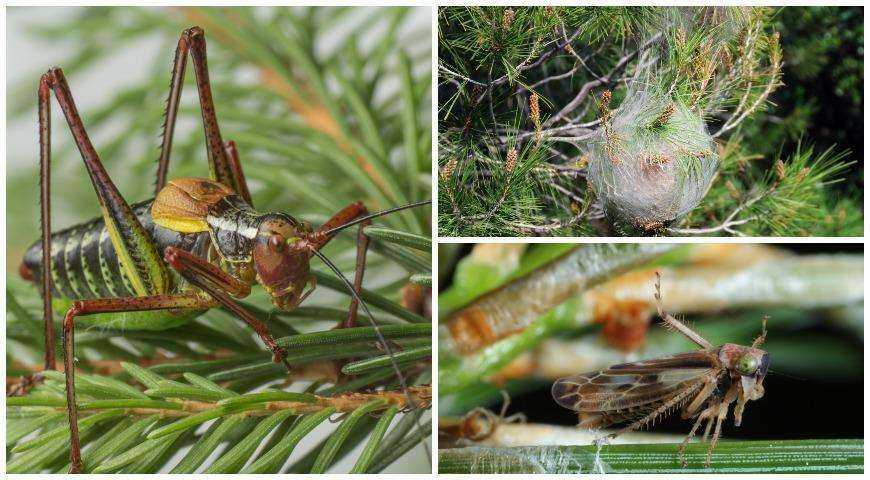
85	265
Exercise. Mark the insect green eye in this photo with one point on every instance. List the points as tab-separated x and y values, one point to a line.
747	365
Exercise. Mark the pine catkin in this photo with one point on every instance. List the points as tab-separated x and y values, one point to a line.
681	37
604	106
508	19
779	167
535	109
511	160
801	175
605	98
447	170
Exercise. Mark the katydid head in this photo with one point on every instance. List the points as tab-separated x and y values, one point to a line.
281	257
283	248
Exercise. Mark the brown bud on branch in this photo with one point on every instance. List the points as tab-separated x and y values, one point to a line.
535	110
511	160
447	170
508	19
779	167
732	190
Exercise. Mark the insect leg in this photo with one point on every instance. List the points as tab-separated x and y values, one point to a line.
107	305
136	250
759	340
189	264
723	412
192	41
147	272
351	212
664	407
236	169
699	400
320	237
708	428
362	245
220	286
45	219
673	322
682	450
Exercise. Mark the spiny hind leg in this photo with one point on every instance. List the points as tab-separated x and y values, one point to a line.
661	410
192	42
235	164
144	268
675	324
108	305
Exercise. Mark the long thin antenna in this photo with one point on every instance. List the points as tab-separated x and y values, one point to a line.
381	339
374	215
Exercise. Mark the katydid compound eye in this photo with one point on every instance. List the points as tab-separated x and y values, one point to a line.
747	365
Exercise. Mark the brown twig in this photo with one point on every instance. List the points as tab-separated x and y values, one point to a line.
601	81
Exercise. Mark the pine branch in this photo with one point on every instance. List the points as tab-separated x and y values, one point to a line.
720	66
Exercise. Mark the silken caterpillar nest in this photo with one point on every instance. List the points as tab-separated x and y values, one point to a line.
652	162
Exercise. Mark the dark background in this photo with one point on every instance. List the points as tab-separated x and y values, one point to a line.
792	408
821	101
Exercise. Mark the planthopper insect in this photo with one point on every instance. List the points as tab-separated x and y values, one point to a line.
704	383
199	244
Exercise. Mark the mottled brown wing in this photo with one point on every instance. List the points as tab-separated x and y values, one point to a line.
633	385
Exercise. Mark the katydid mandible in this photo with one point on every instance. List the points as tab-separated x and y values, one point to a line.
199	244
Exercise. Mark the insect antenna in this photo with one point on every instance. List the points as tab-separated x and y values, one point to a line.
672	323
761	338
800	379
374	215
381	337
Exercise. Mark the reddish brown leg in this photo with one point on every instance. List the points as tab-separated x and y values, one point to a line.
192	41
45	219
320	238
189	264
217	283
236	169
114	206
351	212
108	305
362	246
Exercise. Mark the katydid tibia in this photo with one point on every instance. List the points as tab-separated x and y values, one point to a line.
197	245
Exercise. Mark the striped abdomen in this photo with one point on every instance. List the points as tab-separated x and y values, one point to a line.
84	263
